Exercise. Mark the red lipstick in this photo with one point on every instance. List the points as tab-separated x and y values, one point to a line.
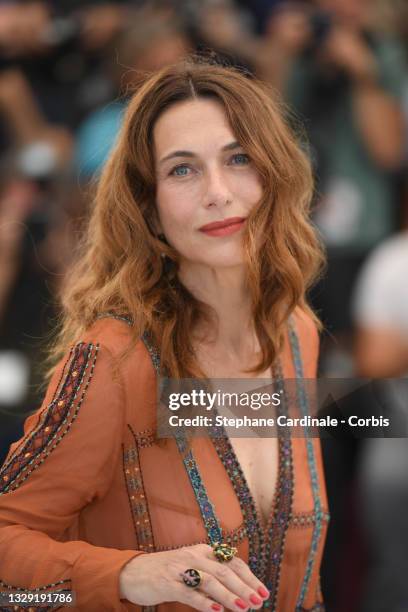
224	227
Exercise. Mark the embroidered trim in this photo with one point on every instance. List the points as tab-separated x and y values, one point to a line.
233	537
10	587
211	523
307	519
55	421
137	496
277	530
154	355
145	438
41	413
303	403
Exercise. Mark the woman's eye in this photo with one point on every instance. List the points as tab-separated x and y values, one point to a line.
240	159
181	170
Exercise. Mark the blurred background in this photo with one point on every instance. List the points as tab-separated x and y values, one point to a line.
66	73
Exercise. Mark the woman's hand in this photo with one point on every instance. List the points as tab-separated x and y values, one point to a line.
154	578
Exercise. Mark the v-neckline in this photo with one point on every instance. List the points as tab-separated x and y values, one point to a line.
265	542
261	525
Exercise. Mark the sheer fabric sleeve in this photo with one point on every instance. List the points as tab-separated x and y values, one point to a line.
65	460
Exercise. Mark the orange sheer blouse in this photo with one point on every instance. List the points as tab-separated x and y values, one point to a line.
87	488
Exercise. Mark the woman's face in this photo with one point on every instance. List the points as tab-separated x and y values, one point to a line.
204	177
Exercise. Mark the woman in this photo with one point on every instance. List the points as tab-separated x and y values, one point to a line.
196	263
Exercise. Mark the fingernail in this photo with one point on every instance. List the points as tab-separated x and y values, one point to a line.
216	607
241	604
255	600
263	592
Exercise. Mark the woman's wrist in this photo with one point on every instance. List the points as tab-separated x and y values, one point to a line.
124	580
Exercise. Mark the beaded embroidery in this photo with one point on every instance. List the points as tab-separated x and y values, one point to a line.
145	438
209	517
282	506
307	519
318	511
137	496
55	422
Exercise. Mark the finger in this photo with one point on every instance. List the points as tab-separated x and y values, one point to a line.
197	599
230	580
217	591
241	568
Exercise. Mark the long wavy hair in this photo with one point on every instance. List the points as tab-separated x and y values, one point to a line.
120	266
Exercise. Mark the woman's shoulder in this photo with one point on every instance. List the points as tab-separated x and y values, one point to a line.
114	340
115	335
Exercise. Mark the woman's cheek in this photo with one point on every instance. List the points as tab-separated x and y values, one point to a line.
177	219
248	189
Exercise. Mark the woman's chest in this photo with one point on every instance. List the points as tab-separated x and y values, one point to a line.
259	461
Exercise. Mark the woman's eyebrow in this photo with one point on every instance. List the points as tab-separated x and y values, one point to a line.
228	147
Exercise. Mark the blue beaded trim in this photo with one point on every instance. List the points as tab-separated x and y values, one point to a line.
154	354
207	510
318	511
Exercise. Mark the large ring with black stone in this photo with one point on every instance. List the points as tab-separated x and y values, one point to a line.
192	578
223	552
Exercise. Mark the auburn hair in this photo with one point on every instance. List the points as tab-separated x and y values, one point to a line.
120	266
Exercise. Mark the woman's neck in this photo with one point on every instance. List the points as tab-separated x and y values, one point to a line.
226	292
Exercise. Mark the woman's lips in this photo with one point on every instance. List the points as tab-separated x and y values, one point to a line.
223	228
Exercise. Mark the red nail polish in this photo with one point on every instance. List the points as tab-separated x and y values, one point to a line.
216	607
255	600
241	604
263	592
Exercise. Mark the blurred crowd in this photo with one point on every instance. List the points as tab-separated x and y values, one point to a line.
67	69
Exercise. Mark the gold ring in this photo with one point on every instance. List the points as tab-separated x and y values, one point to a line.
223	552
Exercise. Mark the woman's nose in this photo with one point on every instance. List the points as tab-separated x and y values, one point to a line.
217	191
